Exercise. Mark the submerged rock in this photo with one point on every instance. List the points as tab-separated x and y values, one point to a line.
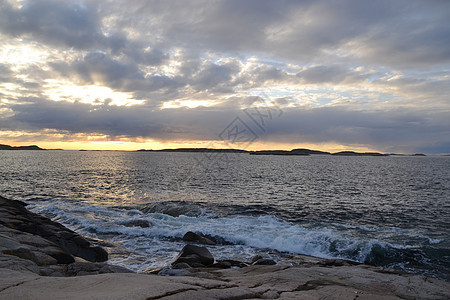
194	237
137	223
194	256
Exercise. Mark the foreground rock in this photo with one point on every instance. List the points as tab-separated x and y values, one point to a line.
307	280
25	256
33	243
194	256
196	238
13	215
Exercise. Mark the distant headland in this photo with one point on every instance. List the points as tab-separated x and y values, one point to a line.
293	152
31	147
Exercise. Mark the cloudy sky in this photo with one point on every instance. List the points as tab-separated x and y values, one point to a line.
251	74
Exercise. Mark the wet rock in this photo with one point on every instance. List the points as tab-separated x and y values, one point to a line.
265	262
34	248
194	256
221	265
13	215
194	237
137	223
255	258
192	260
337	263
181	265
234	263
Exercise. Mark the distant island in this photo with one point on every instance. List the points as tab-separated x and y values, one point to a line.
352	153
196	150
293	152
31	147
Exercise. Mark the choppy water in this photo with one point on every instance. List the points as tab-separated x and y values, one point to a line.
387	211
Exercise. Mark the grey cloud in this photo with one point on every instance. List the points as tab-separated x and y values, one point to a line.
100	68
220	25
212	76
107	70
389	130
331	74
439	147
400	34
5	73
129	46
140	54
57	22
115	121
416	38
422	90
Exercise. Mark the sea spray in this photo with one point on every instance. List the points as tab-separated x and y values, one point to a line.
241	236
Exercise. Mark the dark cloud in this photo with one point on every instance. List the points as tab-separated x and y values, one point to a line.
332	74
68	23
97	66
394	54
101	69
140	54
404	34
135	121
389	130
215	77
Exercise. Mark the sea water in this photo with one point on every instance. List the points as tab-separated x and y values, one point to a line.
386	211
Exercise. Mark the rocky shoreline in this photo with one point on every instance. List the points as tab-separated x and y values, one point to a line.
41	259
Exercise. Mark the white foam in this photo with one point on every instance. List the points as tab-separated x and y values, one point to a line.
161	242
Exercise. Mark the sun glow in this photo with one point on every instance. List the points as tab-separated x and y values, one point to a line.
21	53
57	90
188	103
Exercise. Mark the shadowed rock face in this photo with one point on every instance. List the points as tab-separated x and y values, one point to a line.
194	256
58	242
193	237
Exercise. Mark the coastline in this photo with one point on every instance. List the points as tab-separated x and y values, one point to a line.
41	259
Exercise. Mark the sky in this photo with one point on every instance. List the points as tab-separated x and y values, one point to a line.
249	74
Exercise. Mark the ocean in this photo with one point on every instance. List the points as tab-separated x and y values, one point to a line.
390	211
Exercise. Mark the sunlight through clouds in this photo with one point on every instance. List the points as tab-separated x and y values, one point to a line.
171	70
57	90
